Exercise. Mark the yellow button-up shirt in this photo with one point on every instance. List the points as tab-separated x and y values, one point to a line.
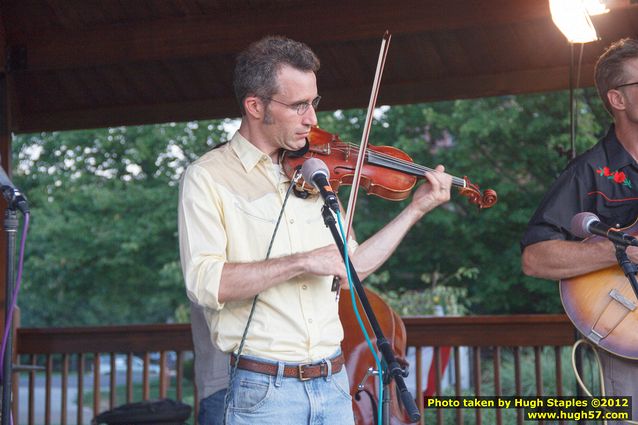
230	199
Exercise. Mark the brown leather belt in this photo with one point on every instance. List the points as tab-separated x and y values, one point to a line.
304	371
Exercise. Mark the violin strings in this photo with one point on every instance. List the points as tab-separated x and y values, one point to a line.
389	159
419	169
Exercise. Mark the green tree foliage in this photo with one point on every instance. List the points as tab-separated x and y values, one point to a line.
512	144
103	248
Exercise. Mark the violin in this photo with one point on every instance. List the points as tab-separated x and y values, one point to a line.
388	172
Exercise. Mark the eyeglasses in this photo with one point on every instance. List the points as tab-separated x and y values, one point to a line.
625	85
300	107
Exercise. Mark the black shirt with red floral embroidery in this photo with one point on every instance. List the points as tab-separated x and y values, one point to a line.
603	181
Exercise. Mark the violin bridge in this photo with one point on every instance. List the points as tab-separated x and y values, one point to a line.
325	149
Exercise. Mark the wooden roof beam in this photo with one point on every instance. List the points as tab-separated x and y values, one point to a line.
229	32
522	81
3	41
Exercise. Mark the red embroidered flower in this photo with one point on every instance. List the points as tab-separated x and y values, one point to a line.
619	177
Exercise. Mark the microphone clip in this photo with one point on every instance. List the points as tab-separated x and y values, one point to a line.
15	199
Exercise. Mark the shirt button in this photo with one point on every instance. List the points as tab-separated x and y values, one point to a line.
304	287
309	320
292	220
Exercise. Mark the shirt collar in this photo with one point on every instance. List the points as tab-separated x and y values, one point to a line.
247	153
616	153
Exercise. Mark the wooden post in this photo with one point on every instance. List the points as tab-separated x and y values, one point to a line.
5	159
9	388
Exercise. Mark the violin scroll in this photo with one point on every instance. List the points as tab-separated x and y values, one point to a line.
487	199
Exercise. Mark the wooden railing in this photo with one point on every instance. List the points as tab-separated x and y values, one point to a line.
83	348
65	362
487	337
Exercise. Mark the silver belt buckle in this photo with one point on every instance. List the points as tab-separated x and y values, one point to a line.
301	369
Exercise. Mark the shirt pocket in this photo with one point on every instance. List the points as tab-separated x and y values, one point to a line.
252	213
250	226
620	211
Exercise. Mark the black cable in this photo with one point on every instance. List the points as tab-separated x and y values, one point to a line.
228	396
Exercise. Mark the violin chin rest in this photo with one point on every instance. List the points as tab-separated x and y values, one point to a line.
300	152
300	193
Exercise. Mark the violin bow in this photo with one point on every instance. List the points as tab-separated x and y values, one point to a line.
408	401
352	200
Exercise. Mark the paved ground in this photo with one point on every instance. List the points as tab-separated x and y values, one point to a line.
56	402
56	399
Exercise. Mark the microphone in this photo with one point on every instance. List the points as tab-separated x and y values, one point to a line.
11	193
585	224
316	171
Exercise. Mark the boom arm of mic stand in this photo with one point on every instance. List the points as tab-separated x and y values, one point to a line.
394	370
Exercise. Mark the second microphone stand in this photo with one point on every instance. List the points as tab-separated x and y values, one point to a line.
394	369
626	265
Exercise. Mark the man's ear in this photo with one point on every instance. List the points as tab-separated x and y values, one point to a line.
616	99
254	107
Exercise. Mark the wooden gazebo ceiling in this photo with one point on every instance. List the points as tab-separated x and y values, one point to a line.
89	63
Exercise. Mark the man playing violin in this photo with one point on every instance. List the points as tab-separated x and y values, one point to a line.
291	368
604	181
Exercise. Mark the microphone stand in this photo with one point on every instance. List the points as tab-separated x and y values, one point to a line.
629	268
394	369
11	229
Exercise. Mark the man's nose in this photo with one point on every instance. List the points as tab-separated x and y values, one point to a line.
310	117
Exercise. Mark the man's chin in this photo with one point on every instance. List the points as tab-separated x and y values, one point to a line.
297	144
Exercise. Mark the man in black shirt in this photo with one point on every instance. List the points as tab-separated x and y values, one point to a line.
604	181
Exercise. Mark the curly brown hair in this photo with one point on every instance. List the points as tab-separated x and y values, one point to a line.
257	66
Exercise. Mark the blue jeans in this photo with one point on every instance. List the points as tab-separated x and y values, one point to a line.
276	400
621	379
211	409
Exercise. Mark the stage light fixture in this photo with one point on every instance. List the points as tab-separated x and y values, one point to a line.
572	17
